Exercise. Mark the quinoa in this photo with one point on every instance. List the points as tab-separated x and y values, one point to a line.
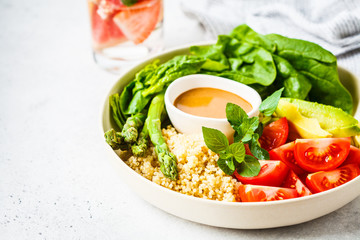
199	175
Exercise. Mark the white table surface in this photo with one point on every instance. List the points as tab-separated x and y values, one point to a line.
54	180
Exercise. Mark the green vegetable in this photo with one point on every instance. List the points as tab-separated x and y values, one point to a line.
215	53
318	66
177	67
246	34
296	84
270	62
139	148
331	119
114	139
268	106
115	109
231	157
166	159
247	130
131	126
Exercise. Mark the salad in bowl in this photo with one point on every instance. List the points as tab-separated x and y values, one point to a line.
276	169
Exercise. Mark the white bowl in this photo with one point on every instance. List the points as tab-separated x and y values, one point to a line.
190	124
230	214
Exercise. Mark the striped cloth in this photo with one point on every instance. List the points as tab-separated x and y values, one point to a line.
333	24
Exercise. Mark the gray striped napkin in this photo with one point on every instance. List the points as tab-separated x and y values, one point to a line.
333	24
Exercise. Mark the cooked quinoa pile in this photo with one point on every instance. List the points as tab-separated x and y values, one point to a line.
199	174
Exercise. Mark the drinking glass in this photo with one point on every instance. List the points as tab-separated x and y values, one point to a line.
125	31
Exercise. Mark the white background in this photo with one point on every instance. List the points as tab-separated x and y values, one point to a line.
55	182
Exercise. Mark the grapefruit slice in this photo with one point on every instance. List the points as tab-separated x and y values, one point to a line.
138	21
105	32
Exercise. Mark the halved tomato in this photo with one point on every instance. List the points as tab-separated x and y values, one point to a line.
272	173
274	134
321	154
353	156
325	180
253	193
293	181
285	153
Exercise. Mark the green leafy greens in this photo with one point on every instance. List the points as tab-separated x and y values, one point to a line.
268	63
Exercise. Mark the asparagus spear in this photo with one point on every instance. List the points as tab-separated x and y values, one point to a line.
130	129
166	159
141	145
114	139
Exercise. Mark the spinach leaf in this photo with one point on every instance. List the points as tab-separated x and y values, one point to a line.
214	52
234	75
318	66
296	85
262	68
245	33
254	62
302	49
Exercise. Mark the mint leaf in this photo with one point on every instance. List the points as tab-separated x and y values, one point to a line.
256	150
250	167
238	151
268	106
226	155
247	128
223	165
215	140
235	114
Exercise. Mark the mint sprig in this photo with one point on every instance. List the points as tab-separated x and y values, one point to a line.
269	105
231	156
247	130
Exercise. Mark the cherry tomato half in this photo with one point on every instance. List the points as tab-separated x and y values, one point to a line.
325	180
293	181
353	156
272	173
254	193
285	153
321	154
274	134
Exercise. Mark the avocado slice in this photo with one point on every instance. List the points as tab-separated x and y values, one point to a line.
304	126
333	120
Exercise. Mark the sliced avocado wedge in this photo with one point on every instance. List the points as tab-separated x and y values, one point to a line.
304	126
333	120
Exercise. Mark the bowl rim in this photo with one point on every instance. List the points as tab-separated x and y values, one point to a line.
143	179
